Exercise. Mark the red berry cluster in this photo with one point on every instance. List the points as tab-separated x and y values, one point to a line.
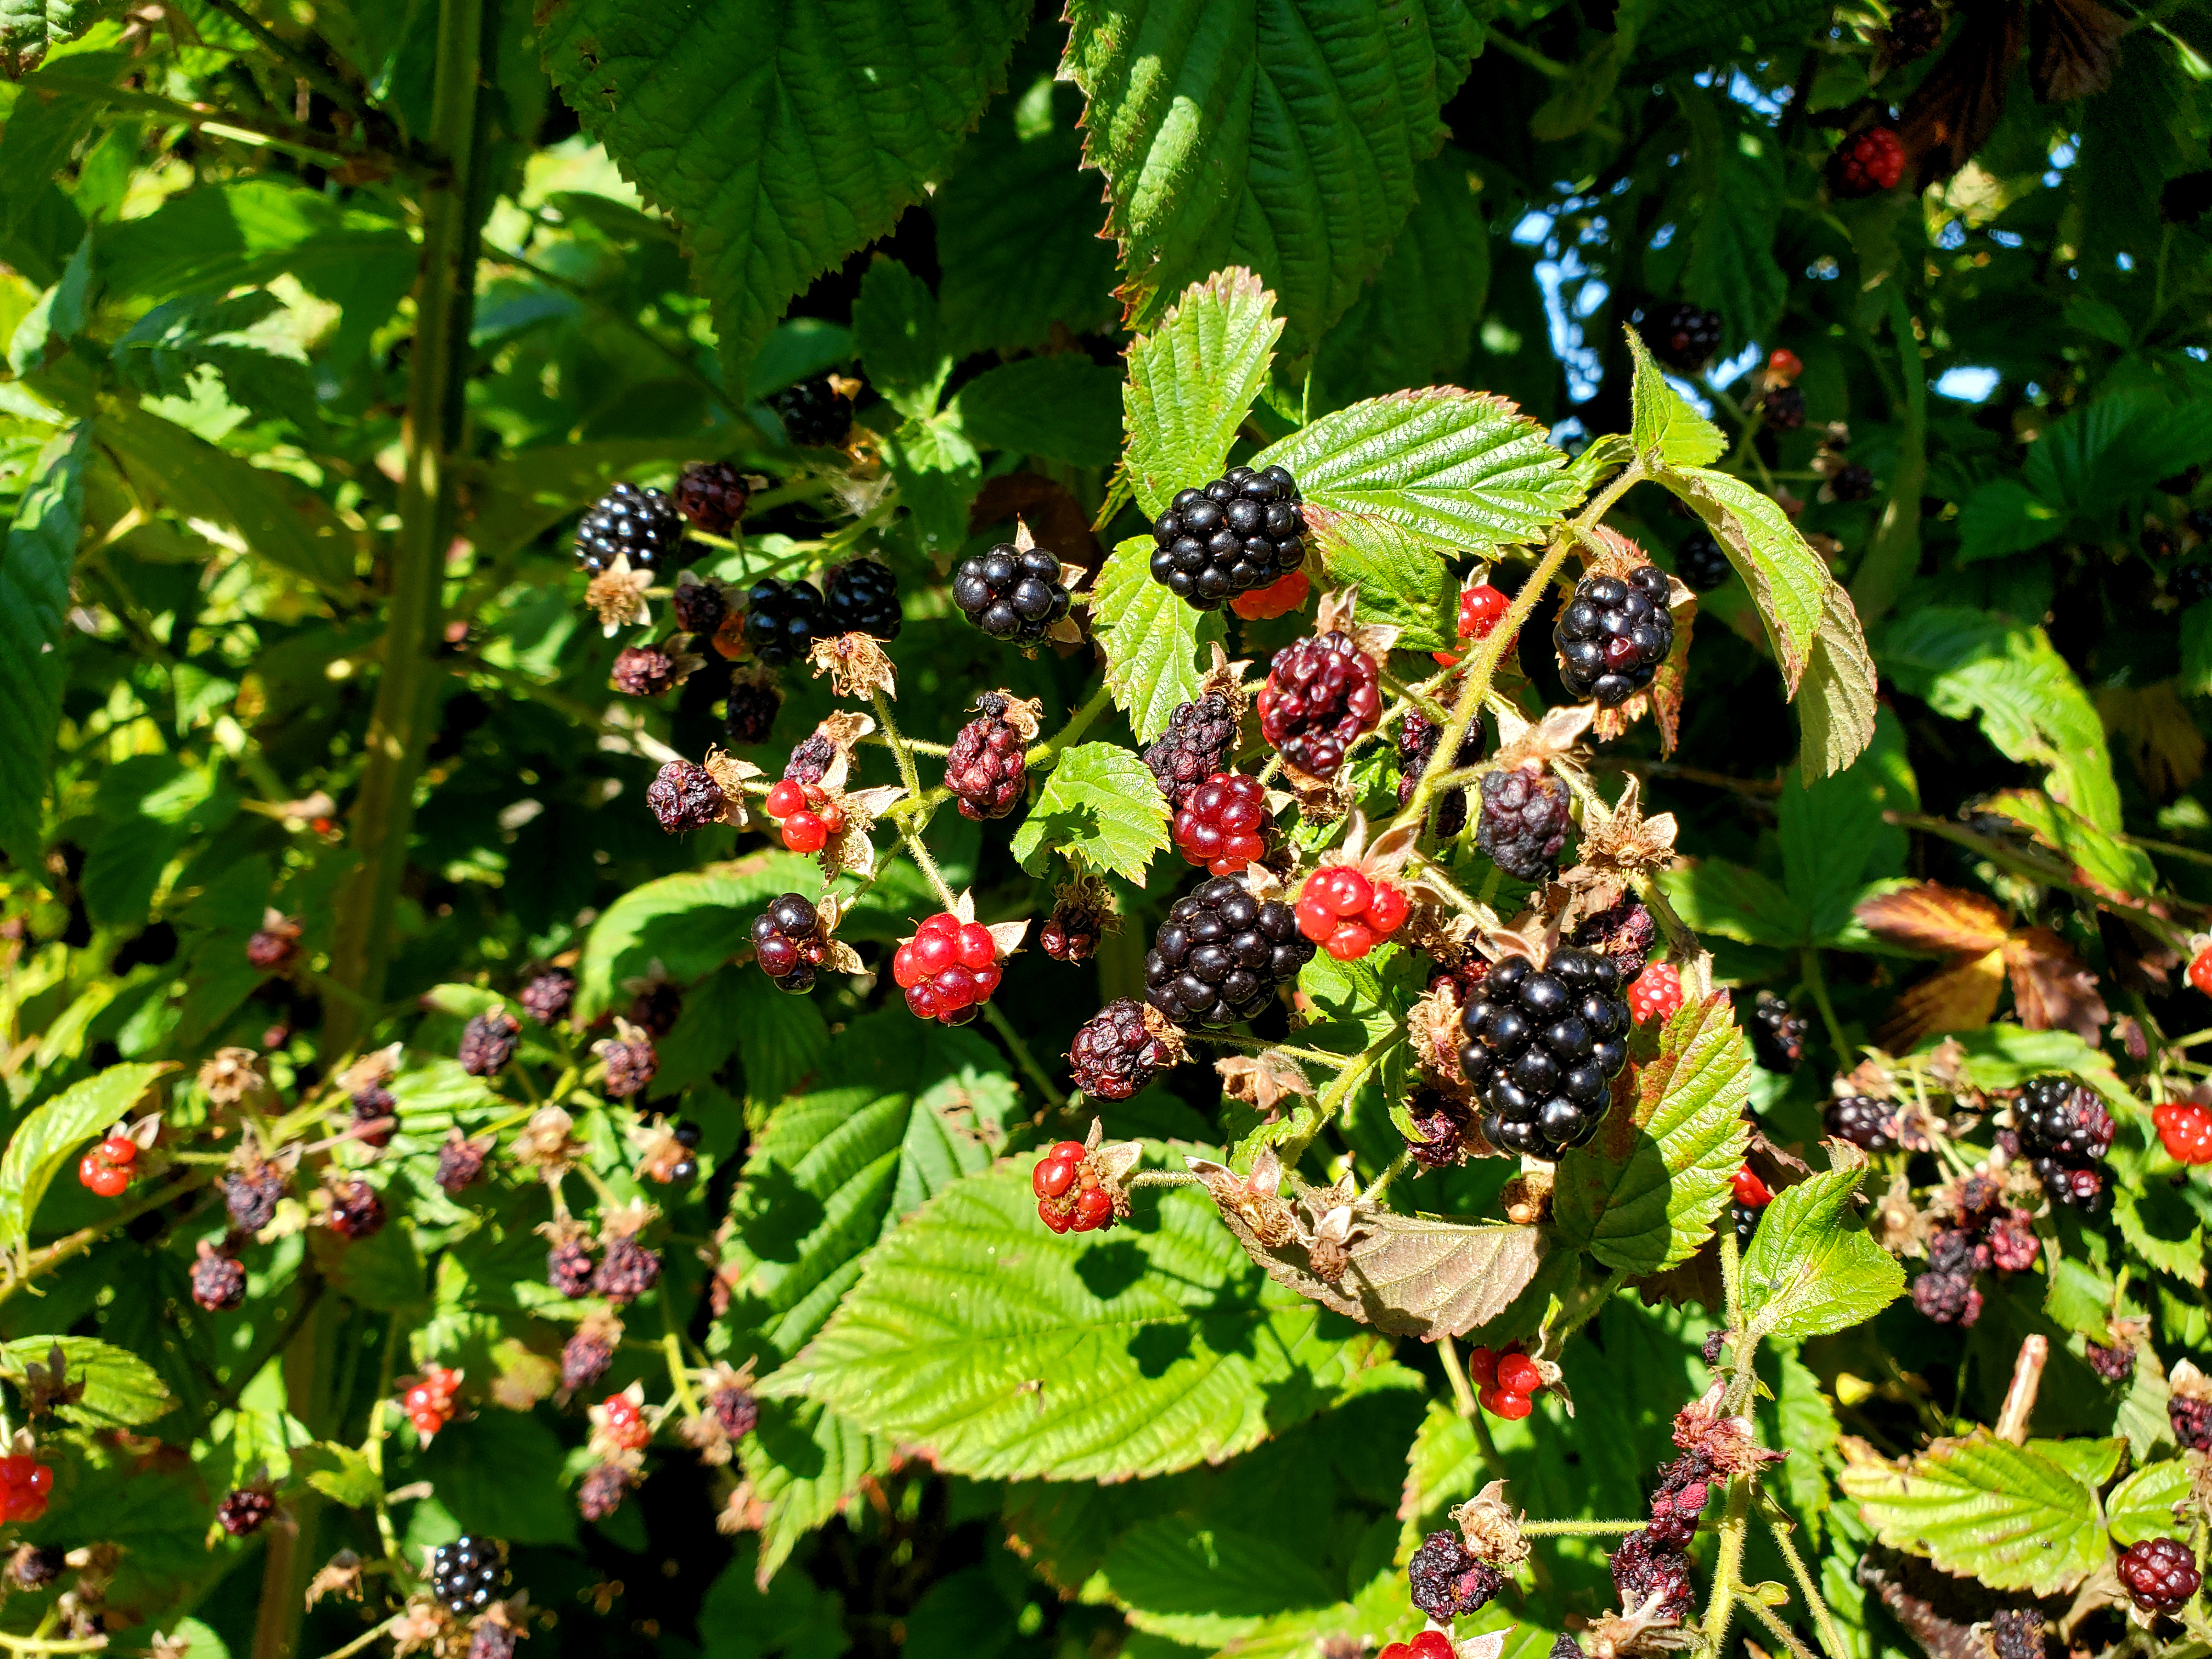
1278	599
429	1403
2200	970
805	813
1867	163
623	1424
1429	1644
1654	993
1221	822
106	1168
1347	914
24	1483
1069	1197
1510	1382
948	969
1481	608
2186	1129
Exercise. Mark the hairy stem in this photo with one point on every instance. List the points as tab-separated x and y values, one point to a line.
1728	1571
1780	1632
1824	1622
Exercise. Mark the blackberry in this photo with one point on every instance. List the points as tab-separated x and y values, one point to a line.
1702	563
2160	1574
2159	543
2063	1184
657	1006
460	1165
374	1104
603	1490
712	495
2115	1364
1682	336
547	995
355	1212
1011	592
218	1282
984	769
749	710
1201	738
1777	1036
643	670
1524	821
2191	1418
810	760
31	1568
688	1136
630	1066
1643	1569
1448	1581
1072	932
735	1409
862	598
2017	1633
1321	693
250	1196
570	1267
1852	483
637	525
1221	954
1745	1216
2059	1118
1240	532
1947	1298
1685	1486
1541	1046
1223	823
2013	1245
626	1272
1564	1646
1916	29
488	1041
1865	1122
2191	582
787	943
584	1358
464	1573
1115	1053
1417	736
783	619
1783	407
244	1510
1867	163
1613	634
1444	1121
1958	1250
814	413
492	1638
1624	933
275	946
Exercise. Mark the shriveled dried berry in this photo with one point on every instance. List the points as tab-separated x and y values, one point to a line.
1321	693
1115	1054
1648	1574
1442	1122
218	1282
244	1510
2116	1364
460	1165
488	1041
1447	1581
1524	821
644	671
570	1267
684	796
735	1409
626	1272
250	1196
374	1112
584	1358
1201	736
630	1065
601	1493
355	1212
549	995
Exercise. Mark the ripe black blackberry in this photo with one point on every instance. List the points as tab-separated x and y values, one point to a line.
814	413
2062	1183
1417	736
465	1574
1682	336
584	1358
1201	738
1643	1570
1867	1123
1011	592
1947	1298
570	1267
1745	1216
2017	1633
1613	634
1115	1054
626	1272
712	495
1447	1581
862	598
1783	408
1777	1036
2159	1575
782	620
2115	1364
547	995
1702	563
2185	197
1524	821
374	1111
218	1282
1852	483
1541	1046
1239	533
1442	1120
637	525
984	767
2191	1418
643	670
1916	29
1221	954
355	1212
688	1136
244	1510
787	942
488	1041
750	707
2061	1118
1624	933
460	1165
250	1196
2191	582
1321	693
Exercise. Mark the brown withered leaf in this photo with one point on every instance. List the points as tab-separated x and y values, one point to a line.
1261	1079
1933	917
2052	987
1961	996
2161	740
2073	46
1957	105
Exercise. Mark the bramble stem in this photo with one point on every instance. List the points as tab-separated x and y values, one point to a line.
1728	1571
1463	1396
1252	1045
1824	1622
1782	1632
1578	1528
1382	1184
1079	723
1808	963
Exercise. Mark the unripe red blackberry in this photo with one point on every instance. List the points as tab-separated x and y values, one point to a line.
1418	738
2013	1245
1777	1036
1867	1123
548	996
488	1041
630	1065
464	1574
626	522
735	1409
1237	534
2115	1364
1447	1581
862	598
1114	1054
244	1510
250	1196
1682	336
1783	408
1221	954
2159	1575
949	970
1867	163
584	1358
1321	693
1011	592
460	1165
1542	1045
1702	563
218	1282
626	1272
1852	483
749	711
1223	823
782	620
1647	1573
1613	634
602	1490
1624	934
356	1212
275	946
984	767
814	413
1655	994
374	1105
570	1267
787	942
712	495
1201	738
1278	599
1444	1121
1524	821
644	671
2191	1418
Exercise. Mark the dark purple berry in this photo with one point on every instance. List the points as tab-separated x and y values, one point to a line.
985	767
638	524
1321	693
1011	592
1221	954
1613	634
1242	532
1524	821
1115	1054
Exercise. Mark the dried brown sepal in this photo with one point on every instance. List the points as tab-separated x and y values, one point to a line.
616	596
1226	679
1547	741
1024	714
376	1067
47	1386
1319	799
1621	843
1334	615
1895	1223
1527	1198
1433	1027
857	664
730	775
1255	1200
1727	1438
1259	1080
339	1576
548	1143
850	851
1491	1528
229	1075
1328	1246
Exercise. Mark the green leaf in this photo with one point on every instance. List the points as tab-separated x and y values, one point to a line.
1644	1197
1583	93
1836	700
161	353
1156	646
1663	420
1205	1585
120	1389
804	1463
2101	856
500	1472
2004	517
1463	469
1982	1508
1101	806
937	472
1283	135
1715	897
2106	453
1061	408
1731	268
1811	1268
52	1134
895	327
2163	1230
780	139
1403	581
1835	840
338	1472
29	27
149	808
35	562
2149	1503
689	923
57	318
2005	1056
746	1617
1193	378
1160	1344
1969	663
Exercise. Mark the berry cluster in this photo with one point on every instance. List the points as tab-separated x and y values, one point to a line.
2159	1575
1865	1122
805	814
1777	1036
639	526
1222	823
1481	608
1450	1582
1543	1043
430	1401
1524	821
106	1169
1321	693
1011	592
787	942
948	969
623	1424
25	1484
711	496
1347	914
1115	1053
1221	954
2064	1133
465	1574
1507	1381
1069	1197
1427	1645
814	413
783	619
1241	532
1867	163
245	1511
1682	336
1613	634
1749	1198
487	1044
218	1280
862	598
2184	1129
1201	737
1655	994
985	766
